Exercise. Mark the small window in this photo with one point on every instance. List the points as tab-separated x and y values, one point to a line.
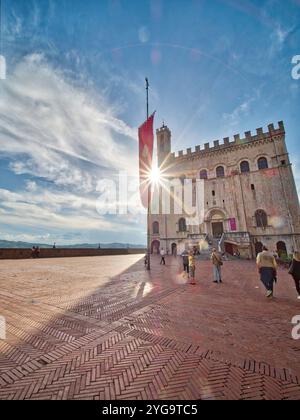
220	172
262	163
245	167
155	228
283	162
203	174
213	193
252	187
182	225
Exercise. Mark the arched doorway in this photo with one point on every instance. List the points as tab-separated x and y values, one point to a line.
281	249
229	248
258	247
217	218
174	249
155	247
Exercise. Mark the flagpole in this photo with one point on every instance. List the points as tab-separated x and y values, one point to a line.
149	189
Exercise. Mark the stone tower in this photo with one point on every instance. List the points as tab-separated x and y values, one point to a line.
163	144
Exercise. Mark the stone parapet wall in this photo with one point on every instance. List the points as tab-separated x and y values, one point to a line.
18	253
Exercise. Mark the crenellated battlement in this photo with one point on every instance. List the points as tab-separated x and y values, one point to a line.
237	140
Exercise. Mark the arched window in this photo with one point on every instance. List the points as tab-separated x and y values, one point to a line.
203	174
220	172
262	163
261	219
155	228
182	225
245	167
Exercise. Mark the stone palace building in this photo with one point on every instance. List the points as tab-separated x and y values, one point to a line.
250	197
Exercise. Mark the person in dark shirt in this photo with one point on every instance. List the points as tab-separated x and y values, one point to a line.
185	261
294	271
33	252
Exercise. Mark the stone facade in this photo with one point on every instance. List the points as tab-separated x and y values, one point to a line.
250	197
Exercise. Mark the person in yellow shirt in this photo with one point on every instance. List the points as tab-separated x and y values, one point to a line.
267	268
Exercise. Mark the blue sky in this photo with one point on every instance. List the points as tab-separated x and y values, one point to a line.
74	97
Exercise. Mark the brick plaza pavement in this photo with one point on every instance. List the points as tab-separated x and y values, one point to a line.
104	328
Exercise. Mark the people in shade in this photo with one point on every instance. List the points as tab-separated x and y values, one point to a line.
266	264
146	260
294	271
35	252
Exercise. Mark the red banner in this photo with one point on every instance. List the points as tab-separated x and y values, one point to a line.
146	139
232	223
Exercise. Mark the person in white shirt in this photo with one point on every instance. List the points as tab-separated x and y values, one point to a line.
162	254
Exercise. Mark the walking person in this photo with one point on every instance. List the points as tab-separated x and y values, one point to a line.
146	260
192	267
37	251
185	261
162	254
294	271
267	268
217	262
33	252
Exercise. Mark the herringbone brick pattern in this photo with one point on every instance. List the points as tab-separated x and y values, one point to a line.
103	328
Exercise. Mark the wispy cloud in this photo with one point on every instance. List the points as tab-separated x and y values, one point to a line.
279	37
232	120
56	126
54	130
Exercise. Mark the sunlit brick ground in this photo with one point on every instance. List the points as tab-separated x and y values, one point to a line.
103	328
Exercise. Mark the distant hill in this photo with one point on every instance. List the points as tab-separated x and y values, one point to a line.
13	244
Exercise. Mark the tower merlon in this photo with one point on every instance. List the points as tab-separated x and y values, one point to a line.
248	135
278	130
281	126
260	132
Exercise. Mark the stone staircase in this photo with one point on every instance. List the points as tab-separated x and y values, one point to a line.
206	253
